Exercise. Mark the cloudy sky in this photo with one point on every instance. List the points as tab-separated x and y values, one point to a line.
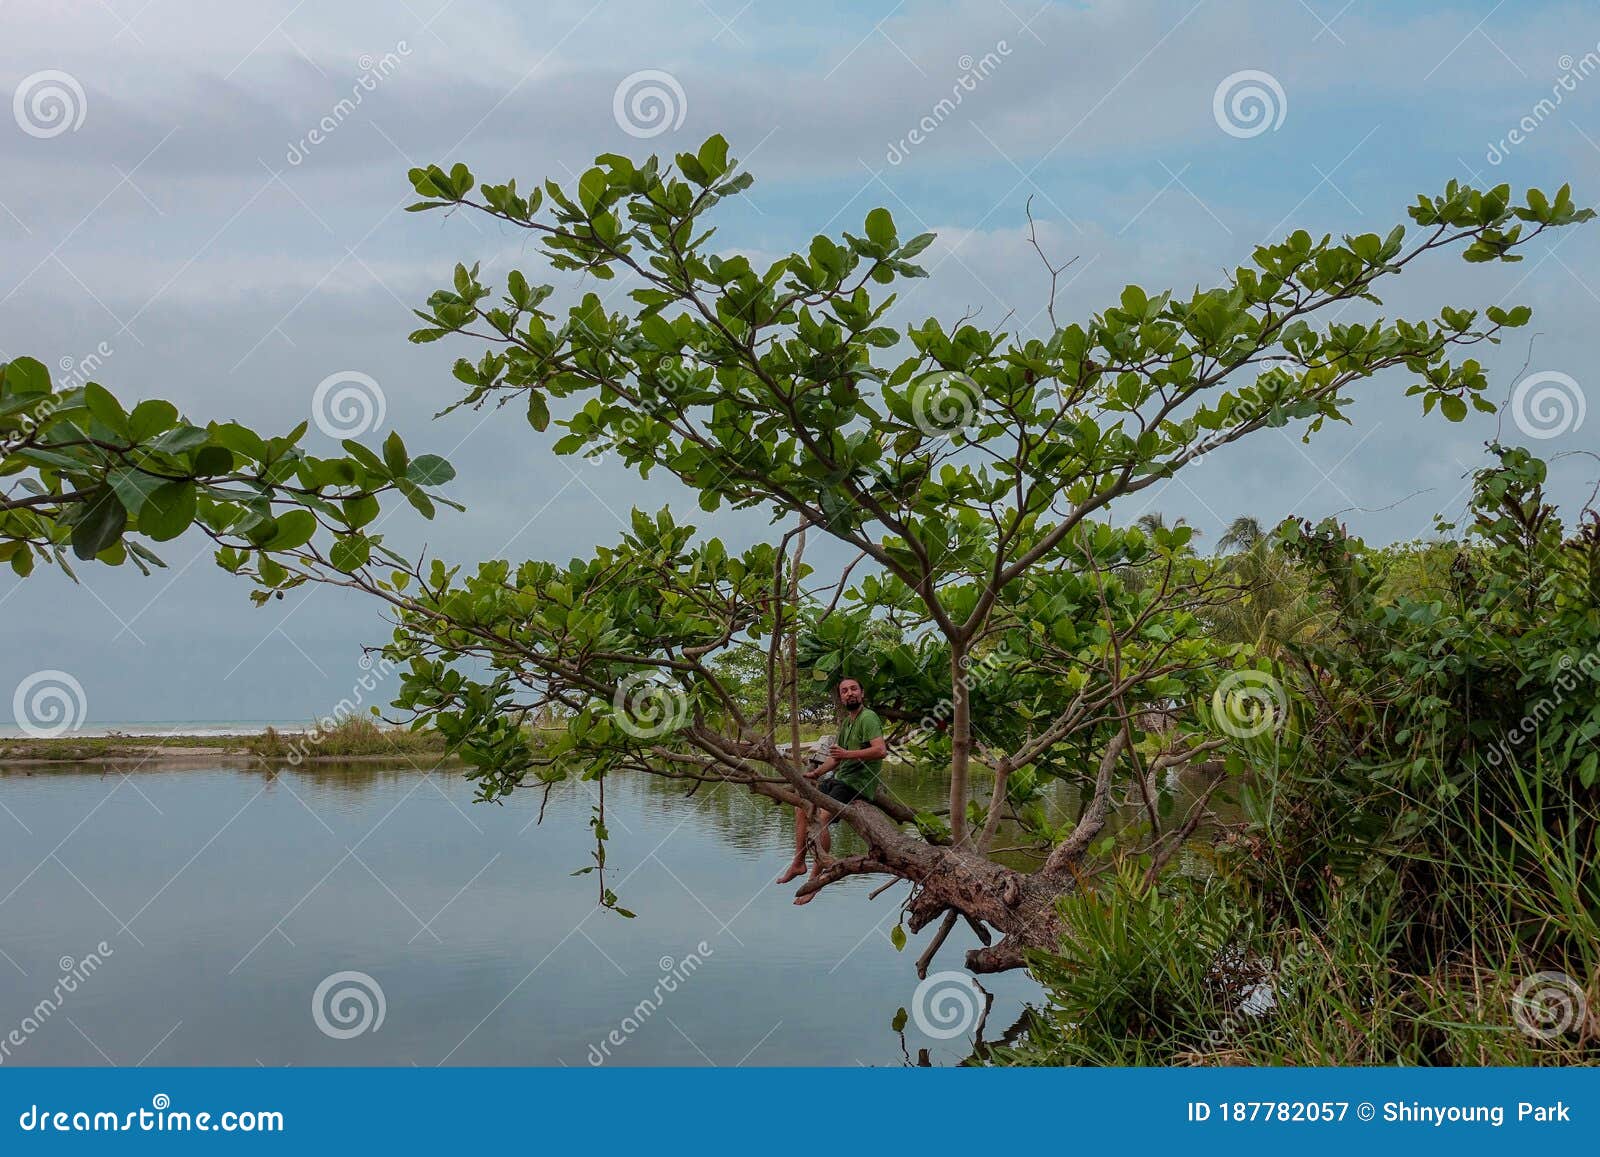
169	218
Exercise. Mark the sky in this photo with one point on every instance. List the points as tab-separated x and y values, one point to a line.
204	202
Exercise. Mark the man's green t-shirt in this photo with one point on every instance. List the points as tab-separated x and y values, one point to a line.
859	774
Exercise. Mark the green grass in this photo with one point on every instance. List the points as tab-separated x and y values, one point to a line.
78	749
1448	943
351	737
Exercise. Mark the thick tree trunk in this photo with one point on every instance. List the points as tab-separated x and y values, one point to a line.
1021	906
960	742
794	640
954	877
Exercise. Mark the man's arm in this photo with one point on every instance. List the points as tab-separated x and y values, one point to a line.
825	766
877	749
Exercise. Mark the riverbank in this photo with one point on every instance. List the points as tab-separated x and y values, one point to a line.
354	740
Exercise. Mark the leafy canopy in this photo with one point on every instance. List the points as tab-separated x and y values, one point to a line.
967	466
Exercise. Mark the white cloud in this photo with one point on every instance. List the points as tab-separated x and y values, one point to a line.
243	290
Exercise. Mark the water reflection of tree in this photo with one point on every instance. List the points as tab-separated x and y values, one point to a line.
355	777
751	823
986	1050
739	819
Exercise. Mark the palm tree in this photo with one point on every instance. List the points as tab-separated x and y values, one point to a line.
1243	533
1272	608
1154	520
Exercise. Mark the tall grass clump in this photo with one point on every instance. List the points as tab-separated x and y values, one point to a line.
347	738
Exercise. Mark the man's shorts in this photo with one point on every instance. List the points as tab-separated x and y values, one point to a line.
842	792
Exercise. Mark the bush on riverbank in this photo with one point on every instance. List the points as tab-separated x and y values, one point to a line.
1416	878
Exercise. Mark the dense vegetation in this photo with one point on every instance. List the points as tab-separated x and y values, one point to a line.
1414	878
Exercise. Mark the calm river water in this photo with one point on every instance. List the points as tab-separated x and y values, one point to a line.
226	896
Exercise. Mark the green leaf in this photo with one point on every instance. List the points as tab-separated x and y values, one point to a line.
394	454
538	411
26	376
181	439
151	418
360	510
295	528
105	407
132	487
430	470
364	456
101	523
168	511
713	158
880	227
272	573
897	937
591	189
240	439
350	553
415	496
213	461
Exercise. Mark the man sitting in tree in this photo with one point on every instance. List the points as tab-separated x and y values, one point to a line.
854	759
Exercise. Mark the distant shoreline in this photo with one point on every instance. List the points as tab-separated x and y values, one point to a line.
162	729
358	743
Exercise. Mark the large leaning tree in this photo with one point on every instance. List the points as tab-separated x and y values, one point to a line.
1012	633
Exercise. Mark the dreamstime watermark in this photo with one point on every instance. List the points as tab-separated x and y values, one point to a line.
373	73
1266	992
80	371
373	676
974	670
49	103
648	103
1571	676
631	426
347	1004
156	1119
1249	703
648	708
1245	412
669	381
73	974
1249	102
947	1004
49	704
1548	1005
973	73
944	403
673	974
1573	72
1548	404
348	404
77	373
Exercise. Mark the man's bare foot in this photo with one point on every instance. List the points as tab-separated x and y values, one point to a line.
801	901
794	871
